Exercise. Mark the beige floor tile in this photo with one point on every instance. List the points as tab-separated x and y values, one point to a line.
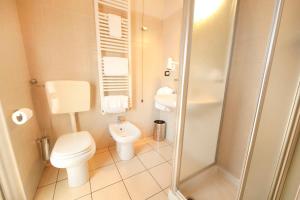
145	138
87	197
151	159
160	196
104	176
49	176
62	174
162	174
116	191
139	141
100	160
166	191
166	152
130	167
115	155
141	148
141	186
148	138
209	186
45	193
111	147
64	192
101	150
156	144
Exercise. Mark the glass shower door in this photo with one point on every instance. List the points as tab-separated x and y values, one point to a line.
210	44
210	54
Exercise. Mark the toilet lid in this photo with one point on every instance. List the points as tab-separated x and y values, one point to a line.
71	144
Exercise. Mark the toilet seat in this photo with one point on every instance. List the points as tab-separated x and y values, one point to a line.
72	145
72	149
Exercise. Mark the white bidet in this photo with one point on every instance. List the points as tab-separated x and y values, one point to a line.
124	133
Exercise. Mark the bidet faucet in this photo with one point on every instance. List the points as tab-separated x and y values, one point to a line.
121	119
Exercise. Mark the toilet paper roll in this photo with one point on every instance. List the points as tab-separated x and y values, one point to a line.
21	116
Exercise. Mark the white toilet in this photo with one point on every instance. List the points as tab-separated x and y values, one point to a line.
72	150
125	134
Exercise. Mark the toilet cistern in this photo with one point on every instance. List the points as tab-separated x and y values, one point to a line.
72	150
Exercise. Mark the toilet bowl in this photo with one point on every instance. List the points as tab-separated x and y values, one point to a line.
72	151
124	134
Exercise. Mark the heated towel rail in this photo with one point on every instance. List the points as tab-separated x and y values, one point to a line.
112	46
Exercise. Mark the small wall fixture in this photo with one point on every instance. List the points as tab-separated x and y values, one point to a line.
171	64
144	28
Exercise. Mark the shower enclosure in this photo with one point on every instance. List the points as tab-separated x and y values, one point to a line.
208	67
209	28
259	61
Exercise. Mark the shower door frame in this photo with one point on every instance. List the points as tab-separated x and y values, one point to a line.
268	61
291	134
185	48
185	52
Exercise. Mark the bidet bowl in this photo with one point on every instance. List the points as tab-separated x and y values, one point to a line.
124	134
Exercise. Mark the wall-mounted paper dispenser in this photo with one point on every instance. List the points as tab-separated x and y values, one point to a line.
21	116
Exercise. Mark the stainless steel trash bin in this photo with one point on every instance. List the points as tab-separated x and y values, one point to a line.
159	132
45	148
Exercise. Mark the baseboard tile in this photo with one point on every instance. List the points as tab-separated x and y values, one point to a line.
234	180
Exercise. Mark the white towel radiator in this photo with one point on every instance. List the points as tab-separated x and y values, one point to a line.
111	46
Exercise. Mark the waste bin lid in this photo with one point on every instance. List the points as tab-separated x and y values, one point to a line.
159	122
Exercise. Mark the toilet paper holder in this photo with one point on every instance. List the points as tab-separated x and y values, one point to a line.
21	116
34	82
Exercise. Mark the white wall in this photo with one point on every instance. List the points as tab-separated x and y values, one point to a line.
172	17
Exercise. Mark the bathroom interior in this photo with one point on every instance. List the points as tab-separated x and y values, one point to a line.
149	99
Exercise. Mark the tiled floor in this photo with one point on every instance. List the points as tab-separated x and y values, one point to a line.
212	184
146	176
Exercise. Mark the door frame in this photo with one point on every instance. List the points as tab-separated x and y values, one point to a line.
10	178
287	151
